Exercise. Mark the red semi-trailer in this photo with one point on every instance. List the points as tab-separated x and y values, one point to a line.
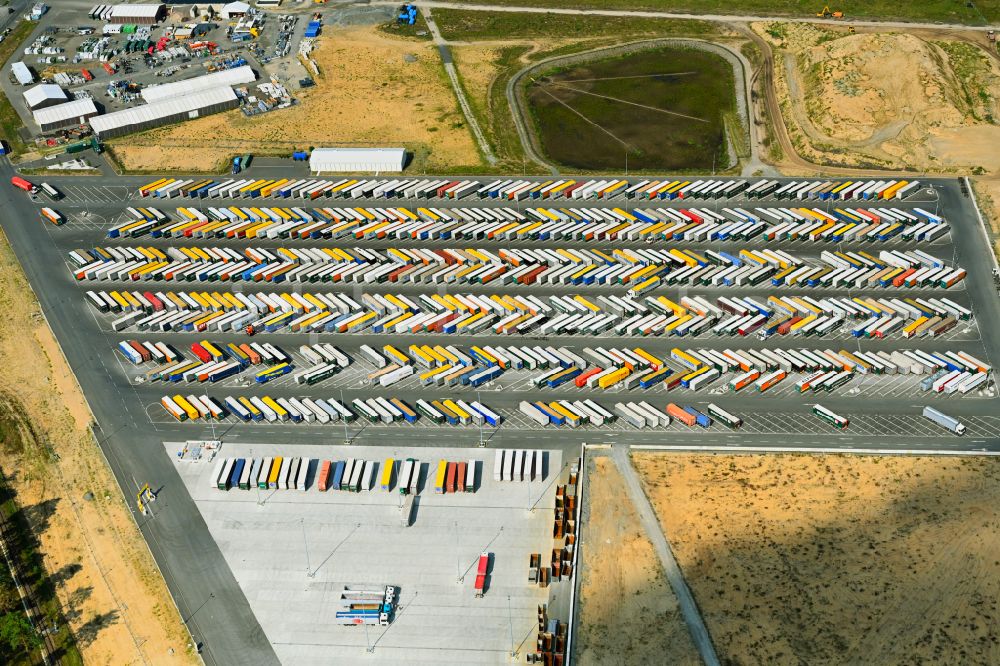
22	184
484	563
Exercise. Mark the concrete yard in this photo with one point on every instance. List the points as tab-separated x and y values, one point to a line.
292	552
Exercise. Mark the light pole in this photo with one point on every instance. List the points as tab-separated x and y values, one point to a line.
347	439
309	572
482	443
510	620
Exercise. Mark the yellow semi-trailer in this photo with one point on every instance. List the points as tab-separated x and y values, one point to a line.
189	409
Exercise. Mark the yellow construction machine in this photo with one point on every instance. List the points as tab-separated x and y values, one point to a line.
826	13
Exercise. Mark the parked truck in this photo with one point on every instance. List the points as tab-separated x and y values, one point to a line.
369	606
945	421
484	563
22	184
681	415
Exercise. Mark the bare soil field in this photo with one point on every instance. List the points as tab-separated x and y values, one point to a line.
988	197
368	94
836	559
922	101
628	613
113	596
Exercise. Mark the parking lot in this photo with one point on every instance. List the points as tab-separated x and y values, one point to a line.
293	551
96	209
883	408
93	209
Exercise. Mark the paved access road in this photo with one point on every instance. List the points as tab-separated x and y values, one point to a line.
639	13
206	593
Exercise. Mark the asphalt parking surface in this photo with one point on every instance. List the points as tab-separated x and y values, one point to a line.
132	426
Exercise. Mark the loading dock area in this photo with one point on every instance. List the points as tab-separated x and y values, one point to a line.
291	551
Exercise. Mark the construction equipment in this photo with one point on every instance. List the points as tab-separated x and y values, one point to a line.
145	493
850	29
407	15
250	330
826	13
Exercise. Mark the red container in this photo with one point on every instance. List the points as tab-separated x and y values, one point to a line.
143	352
21	183
787	325
200	352
154	301
581	379
449	484
324	475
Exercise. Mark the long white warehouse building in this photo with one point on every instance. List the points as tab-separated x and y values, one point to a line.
69	114
227	77
164	112
377	160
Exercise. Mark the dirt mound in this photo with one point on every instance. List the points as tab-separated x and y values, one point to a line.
857	87
887	99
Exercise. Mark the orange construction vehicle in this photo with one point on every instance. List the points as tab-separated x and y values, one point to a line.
826	13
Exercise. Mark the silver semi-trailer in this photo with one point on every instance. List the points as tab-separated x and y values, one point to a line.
945	421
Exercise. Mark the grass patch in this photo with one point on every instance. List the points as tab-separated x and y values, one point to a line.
459	25
491	109
221	167
946	11
589	116
42	171
418	30
10	122
972	78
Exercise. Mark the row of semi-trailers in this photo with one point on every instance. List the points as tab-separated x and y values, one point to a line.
708	364
502	223
641	271
377	410
352	474
763	368
522	189
639	414
651	316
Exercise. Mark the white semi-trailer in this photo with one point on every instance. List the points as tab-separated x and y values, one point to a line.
945	421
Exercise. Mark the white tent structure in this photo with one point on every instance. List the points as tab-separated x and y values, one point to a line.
68	114
227	77
339	160
43	95
235	10
22	74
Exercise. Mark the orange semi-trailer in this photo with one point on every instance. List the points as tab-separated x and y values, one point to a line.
681	415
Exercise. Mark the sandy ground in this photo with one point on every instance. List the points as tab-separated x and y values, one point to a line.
114	598
477	65
367	95
628	613
837	559
988	197
888	100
